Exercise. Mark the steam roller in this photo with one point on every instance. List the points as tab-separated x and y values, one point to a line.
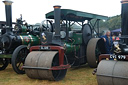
114	70
62	46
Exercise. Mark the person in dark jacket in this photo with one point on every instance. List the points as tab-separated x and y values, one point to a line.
108	42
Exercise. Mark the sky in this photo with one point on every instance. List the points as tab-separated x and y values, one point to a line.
33	11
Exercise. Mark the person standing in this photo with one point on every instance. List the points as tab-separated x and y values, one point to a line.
108	42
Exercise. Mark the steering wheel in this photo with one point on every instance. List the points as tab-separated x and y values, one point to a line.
46	25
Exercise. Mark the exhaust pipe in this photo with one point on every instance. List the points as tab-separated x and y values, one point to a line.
8	10
124	16
57	16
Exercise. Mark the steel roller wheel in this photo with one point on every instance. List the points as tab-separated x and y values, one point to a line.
3	63
18	58
45	59
95	47
112	73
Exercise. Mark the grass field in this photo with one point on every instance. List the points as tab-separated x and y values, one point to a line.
75	76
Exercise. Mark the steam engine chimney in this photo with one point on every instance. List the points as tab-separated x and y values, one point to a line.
124	15
8	10
57	17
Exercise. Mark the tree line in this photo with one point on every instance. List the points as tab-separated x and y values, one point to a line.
111	23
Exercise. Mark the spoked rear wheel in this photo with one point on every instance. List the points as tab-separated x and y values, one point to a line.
3	63
18	58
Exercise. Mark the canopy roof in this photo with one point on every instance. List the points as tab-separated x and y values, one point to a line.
74	15
116	30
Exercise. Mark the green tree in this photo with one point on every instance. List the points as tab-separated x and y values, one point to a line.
112	23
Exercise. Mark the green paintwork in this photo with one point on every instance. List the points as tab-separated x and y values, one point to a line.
30	39
5	56
24	29
26	39
36	40
74	45
77	38
73	15
71	48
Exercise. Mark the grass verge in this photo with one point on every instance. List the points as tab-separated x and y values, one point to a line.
75	76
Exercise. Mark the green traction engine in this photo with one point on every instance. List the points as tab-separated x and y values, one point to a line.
15	40
67	41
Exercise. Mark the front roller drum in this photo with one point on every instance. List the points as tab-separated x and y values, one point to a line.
46	60
112	73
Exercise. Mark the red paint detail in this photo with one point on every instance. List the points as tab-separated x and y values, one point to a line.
26	39
34	48
44	42
103	56
61	67
59	48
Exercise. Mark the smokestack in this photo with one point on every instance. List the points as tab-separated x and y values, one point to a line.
124	16
8	10
57	16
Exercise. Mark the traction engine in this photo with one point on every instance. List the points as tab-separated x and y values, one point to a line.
15	41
